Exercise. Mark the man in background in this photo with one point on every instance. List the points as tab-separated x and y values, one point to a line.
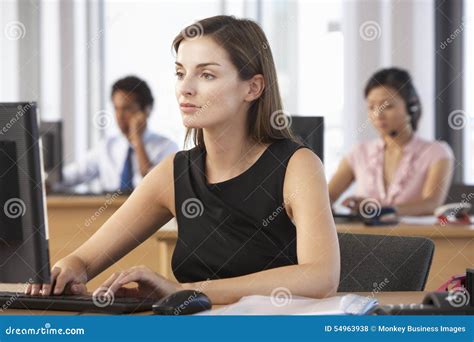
120	161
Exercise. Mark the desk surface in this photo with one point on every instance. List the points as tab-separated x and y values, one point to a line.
382	297
80	201
432	231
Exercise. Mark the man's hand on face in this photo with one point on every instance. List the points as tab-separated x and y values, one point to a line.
136	127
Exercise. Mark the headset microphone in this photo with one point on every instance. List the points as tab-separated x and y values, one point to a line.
393	133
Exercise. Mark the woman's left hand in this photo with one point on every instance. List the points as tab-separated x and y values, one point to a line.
150	284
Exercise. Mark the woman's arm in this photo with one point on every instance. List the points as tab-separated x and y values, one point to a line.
146	210
318	269
435	189
341	180
149	207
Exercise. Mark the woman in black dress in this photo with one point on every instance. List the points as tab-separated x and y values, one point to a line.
251	203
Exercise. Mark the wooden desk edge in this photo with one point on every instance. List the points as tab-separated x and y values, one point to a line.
405	230
400	297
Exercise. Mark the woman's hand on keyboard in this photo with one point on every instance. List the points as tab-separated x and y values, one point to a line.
150	284
68	276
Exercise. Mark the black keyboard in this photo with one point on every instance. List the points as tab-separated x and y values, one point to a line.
87	303
420	309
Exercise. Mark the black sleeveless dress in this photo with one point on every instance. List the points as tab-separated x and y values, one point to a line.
235	227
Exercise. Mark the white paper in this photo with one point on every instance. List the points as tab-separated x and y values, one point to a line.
428	220
264	305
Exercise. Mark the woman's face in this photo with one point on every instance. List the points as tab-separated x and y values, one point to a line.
387	110
208	88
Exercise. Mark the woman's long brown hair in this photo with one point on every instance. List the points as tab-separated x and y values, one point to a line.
249	51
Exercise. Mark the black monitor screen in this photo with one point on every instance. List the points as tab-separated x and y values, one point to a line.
23	231
310	129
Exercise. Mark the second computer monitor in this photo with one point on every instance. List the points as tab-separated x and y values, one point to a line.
51	136
310	129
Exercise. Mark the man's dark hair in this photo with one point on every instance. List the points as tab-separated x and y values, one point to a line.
137	87
401	81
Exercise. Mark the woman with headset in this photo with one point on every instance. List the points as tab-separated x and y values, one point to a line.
399	169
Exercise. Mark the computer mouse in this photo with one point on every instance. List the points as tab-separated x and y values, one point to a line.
185	302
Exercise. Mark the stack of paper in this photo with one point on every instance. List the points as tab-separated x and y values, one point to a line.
263	305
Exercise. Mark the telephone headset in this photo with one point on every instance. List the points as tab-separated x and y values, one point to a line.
413	108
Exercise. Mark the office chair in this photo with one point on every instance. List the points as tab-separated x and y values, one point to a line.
384	263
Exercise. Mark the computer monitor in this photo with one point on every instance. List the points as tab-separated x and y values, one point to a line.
51	137
310	129
24	255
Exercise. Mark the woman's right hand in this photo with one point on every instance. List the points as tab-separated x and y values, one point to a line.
68	276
